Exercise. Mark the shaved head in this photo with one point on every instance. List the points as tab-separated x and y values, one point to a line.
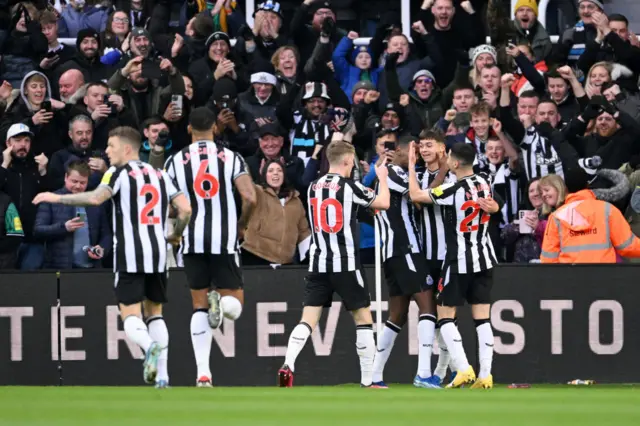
69	83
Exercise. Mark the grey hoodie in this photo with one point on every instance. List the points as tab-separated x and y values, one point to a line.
47	95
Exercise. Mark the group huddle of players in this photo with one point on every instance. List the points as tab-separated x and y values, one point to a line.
413	208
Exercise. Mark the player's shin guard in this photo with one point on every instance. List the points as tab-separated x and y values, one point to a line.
426	330
297	339
366	346
159	333
201	335
136	331
444	358
386	339
485	343
231	307
453	340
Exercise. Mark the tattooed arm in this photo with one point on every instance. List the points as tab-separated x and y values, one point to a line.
183	208
91	198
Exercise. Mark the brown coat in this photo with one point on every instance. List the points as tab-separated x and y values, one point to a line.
274	231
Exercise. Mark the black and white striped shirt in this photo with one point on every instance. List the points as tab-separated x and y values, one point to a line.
400	224
333	207
504	182
205	172
469	247
539	156
140	195
433	233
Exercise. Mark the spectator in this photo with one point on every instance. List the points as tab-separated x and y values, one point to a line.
81	149
107	112
158	146
11	233
24	45
224	103
74	237
279	223
285	61
5	96
44	116
604	72
530	30
87	58
553	192
116	31
573	41
260	44
138	12
353	64
586	230
483	56
526	246
271	148
567	92
78	16
175	116
69	84
22	177
304	36
530	74
57	53
261	99
141	94
138	45
425	100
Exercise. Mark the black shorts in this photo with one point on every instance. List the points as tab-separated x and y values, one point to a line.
221	271
134	288
350	286
434	269
454	288
406	275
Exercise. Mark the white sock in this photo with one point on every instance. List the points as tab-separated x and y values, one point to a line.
485	343
159	333
231	307
453	340
426	331
297	339
366	347
386	339
443	359
201	336
136	330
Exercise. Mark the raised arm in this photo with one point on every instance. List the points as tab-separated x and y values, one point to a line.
91	198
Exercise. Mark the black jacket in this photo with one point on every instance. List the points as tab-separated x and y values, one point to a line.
59	161
102	127
93	71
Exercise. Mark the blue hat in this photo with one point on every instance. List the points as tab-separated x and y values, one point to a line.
359	49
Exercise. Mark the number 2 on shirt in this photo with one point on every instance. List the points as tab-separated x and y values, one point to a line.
146	217
464	224
201	177
324	223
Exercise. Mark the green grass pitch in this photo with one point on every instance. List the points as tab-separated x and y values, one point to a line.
330	405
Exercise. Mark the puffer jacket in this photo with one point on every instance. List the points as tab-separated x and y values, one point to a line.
249	108
50	228
71	20
274	230
346	73
21	53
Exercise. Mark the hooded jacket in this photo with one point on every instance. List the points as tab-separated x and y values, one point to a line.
348	74
48	138
71	20
587	230
21	53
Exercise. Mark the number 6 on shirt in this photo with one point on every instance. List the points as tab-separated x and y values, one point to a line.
324	223
201	177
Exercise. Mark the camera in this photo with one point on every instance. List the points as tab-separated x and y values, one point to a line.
163	138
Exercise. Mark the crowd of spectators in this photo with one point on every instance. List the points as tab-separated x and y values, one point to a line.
297	78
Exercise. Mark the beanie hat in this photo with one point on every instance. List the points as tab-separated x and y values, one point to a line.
140	32
87	33
315	90
531	4
423	73
484	48
576	179
359	49
263	73
269	6
225	88
596	2
326	4
362	85
218	35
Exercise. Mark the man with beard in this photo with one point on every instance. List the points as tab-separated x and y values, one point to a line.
81	135
266	37
304	36
532	133
140	94
530	31
22	177
139	46
87	58
69	83
573	41
614	139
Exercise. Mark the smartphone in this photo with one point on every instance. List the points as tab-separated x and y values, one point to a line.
151	69
82	216
96	154
51	54
46	105
177	101
524	228
389	146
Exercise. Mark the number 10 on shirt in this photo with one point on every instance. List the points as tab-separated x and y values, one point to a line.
320	213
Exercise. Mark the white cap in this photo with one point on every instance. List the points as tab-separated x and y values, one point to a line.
18	129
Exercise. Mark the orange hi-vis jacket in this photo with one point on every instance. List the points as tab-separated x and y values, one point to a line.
586	230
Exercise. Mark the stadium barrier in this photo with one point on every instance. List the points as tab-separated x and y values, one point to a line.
552	324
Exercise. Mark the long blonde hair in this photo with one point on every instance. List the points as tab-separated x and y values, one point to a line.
556	182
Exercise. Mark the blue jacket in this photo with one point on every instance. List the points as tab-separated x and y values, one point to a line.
346	73
50	228
71	21
367	232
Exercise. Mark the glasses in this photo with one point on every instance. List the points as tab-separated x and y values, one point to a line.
424	81
121	20
327	13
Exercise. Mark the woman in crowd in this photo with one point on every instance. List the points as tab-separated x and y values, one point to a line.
117	30
526	246
279	223
285	61
603	72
